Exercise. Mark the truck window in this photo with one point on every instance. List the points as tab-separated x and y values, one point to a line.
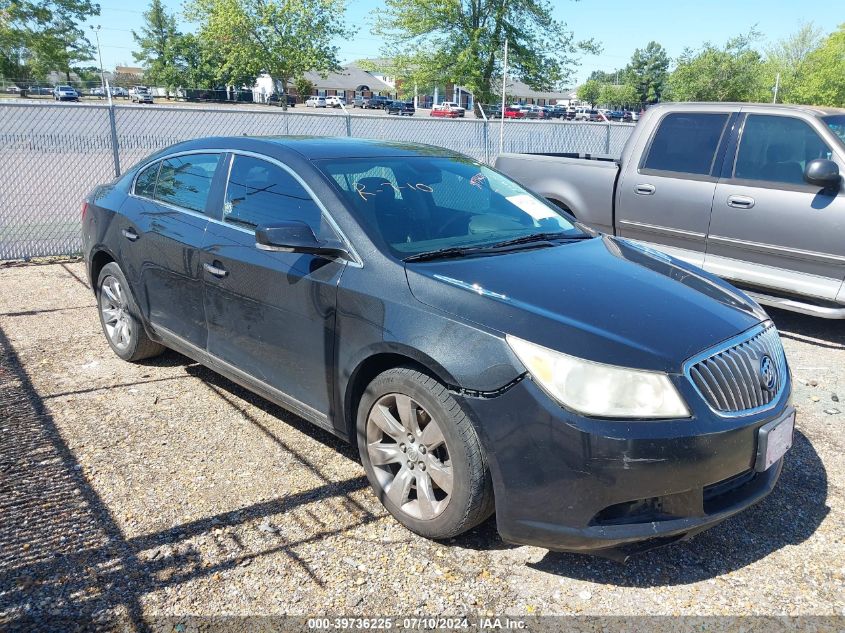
686	143
777	148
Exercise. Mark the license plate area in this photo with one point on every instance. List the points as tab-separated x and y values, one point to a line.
773	440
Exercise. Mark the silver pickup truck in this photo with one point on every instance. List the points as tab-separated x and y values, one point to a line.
750	192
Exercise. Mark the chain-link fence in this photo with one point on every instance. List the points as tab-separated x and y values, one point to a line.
52	155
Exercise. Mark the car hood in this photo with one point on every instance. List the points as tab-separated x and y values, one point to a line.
603	299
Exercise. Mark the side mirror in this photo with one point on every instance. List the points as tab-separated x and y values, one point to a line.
822	173
296	237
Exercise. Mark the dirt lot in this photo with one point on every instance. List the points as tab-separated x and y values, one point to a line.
162	489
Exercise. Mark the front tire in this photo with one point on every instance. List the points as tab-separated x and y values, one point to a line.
120	317
422	455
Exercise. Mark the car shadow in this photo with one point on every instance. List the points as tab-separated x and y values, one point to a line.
815	331
788	516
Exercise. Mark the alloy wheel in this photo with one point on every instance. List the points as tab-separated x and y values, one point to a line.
115	311
409	456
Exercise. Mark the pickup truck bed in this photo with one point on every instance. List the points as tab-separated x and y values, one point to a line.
571	181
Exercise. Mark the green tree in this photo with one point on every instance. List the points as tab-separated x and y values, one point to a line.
304	87
785	63
158	44
589	92
435	42
284	38
198	64
39	36
730	73
621	96
648	71
612	77
822	81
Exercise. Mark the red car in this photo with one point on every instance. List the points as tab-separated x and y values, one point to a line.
514	113
443	112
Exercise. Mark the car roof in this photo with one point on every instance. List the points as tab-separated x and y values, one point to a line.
815	110
314	147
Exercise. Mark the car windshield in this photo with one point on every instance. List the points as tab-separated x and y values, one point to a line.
428	203
837	124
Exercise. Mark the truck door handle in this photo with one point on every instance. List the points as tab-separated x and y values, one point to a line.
740	202
130	234
216	269
644	190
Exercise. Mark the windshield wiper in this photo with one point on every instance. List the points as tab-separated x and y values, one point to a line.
445	253
497	247
539	237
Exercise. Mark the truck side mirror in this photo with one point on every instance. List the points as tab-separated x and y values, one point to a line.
822	172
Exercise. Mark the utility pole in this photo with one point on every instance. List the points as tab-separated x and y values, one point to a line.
96	30
777	87
504	96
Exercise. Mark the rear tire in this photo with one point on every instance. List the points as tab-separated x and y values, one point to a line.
120	317
422	455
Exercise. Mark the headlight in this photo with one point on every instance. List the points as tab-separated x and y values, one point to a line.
597	389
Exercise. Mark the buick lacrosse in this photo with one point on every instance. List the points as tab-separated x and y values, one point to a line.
484	351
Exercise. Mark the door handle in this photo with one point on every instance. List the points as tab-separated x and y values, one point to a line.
216	269
644	190
740	202
130	234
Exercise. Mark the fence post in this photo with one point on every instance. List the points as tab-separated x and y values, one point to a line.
486	136
115	147
607	140
348	120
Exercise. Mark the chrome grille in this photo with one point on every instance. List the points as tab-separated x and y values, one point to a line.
730	379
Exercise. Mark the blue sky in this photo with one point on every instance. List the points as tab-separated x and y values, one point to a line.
620	26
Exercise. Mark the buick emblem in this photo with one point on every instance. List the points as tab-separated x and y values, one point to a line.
768	373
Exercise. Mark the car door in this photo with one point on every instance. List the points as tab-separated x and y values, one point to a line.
271	314
170	217
665	200
770	228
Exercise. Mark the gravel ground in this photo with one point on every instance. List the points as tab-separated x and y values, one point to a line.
161	489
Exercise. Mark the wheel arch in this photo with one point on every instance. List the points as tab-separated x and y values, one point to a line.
377	362
99	259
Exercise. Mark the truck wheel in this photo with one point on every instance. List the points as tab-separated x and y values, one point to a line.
120	317
422	455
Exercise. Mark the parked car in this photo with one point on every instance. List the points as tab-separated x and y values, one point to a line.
65	93
402	108
13	89
377	102
335	101
315	102
752	193
451	106
39	90
141	94
275	99
444	113
419	304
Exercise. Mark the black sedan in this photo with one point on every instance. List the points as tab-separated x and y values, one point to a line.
483	350
402	108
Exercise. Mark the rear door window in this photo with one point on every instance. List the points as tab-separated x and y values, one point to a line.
185	181
145	183
686	143
777	149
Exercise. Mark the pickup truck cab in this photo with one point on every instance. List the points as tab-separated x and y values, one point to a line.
450	106
750	192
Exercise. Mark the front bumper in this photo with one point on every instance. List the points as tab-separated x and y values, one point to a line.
570	483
